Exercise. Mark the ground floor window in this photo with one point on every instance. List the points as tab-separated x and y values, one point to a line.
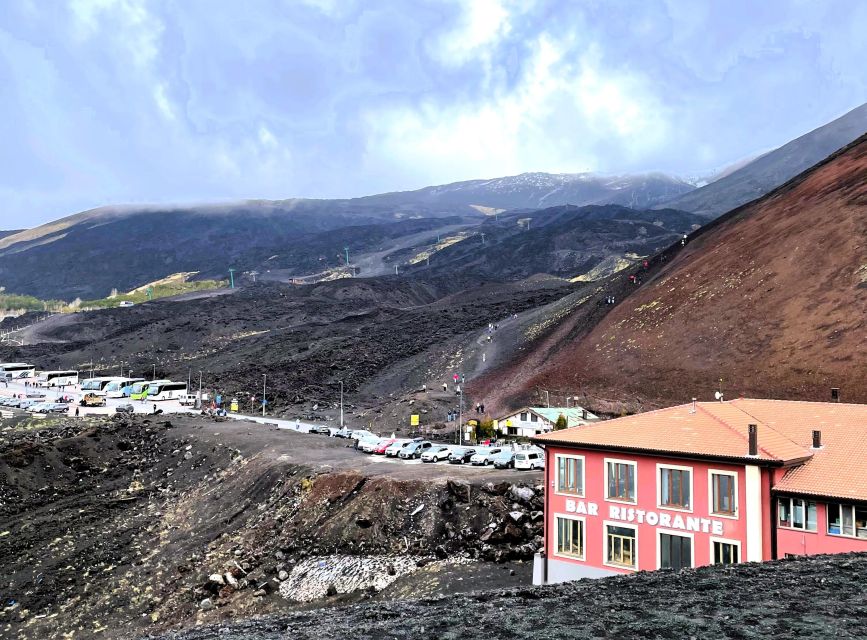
847	520
725	552
620	546
570	537
794	513
675	552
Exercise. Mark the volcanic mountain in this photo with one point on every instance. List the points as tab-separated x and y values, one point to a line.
769	300
772	169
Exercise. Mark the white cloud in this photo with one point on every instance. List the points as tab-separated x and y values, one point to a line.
566	108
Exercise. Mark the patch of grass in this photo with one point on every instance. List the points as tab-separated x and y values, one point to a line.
160	289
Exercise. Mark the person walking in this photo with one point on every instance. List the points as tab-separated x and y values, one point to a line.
76	412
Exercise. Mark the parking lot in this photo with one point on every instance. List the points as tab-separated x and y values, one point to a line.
74	394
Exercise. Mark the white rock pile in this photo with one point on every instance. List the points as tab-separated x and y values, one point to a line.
317	577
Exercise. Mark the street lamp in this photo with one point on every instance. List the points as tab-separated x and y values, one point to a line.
200	390
154	376
547	399
341	404
264	378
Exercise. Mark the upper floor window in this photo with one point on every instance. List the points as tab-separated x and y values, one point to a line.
534	417
795	513
570	474
847	520
524	416
621	480
723	487
675	487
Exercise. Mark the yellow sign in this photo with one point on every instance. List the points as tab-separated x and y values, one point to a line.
413	420
473	423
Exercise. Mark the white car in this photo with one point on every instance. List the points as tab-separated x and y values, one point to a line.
370	444
395	448
361	442
361	434
436	453
485	456
530	459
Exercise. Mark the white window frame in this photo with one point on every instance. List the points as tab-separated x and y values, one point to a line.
792	510
719	472
623	525
659	467
583	521
735	543
557	491
634	463
851	505
681	534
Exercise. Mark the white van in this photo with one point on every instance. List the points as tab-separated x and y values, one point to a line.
530	459
188	399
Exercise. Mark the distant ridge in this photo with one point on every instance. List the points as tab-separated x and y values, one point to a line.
772	169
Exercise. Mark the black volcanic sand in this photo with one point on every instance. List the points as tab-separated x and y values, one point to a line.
820	597
305	339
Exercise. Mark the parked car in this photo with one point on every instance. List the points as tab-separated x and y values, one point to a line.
436	453
414	449
505	459
320	429
394	448
484	456
48	407
124	408
384	444
529	459
370	444
92	400
345	432
461	455
360	434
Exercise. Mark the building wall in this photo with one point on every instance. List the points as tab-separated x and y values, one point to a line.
719	527
798	542
526	427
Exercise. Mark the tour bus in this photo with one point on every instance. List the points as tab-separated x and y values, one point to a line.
17	370
56	378
115	388
97	386
139	390
166	390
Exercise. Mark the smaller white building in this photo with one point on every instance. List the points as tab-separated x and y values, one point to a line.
534	421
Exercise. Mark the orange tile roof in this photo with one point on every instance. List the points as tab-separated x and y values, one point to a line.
719	430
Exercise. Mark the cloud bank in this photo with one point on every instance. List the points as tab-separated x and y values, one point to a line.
126	101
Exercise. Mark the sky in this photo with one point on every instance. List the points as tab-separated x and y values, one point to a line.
149	101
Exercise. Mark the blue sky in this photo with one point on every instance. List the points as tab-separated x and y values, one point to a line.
128	101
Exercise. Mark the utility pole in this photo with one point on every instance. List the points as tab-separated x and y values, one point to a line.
547	399
91	368
232	278
154	375
200	389
264	378
346	249
341	404
461	412
483	238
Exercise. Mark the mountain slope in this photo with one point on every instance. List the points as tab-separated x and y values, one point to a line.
771	298
540	190
565	241
88	254
774	168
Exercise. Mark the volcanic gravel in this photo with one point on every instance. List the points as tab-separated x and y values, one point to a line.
818	597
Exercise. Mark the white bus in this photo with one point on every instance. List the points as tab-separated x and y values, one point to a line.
139	390
17	370
166	390
97	386
114	389
56	378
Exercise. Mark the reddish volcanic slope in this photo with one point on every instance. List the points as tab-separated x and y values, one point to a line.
772	298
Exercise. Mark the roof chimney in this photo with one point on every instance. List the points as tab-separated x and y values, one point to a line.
754	439
835	394
817	439
583	414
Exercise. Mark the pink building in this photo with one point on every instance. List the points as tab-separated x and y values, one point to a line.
704	483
